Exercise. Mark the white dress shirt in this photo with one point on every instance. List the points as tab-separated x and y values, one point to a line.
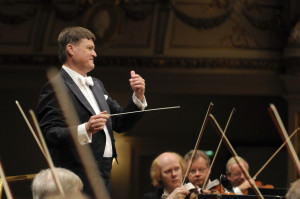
83	136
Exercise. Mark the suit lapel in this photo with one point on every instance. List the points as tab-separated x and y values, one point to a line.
76	91
99	96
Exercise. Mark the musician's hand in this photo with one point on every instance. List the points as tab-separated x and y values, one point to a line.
96	122
137	84
245	185
205	191
179	193
193	196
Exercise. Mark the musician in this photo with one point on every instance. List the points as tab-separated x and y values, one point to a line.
166	172
44	185
236	177
92	104
199	170
294	190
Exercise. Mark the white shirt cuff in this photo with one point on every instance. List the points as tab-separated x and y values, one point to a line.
83	137
141	104
237	191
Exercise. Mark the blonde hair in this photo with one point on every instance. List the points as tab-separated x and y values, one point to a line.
232	161
155	172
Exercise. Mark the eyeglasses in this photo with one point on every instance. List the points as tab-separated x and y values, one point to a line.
236	174
201	170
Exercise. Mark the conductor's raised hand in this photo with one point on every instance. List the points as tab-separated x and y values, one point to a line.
137	84
96	122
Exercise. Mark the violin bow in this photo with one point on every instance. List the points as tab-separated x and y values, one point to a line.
219	145
198	140
235	155
30	128
5	184
283	133
38	136
46	151
84	153
276	152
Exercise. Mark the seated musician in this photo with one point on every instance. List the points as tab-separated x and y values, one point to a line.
294	190
167	172
239	183
43	185
199	170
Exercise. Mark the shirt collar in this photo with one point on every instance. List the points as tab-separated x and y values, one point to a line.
165	194
74	75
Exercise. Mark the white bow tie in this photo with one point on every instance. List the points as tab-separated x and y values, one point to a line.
86	81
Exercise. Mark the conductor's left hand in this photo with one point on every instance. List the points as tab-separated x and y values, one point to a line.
137	84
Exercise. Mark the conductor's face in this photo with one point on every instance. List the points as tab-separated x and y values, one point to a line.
171	172
84	54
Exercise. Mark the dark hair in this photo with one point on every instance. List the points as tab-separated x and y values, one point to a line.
71	35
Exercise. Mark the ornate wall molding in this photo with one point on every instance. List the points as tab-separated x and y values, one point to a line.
138	12
200	23
237	8
155	62
105	20
68	12
18	14
205	63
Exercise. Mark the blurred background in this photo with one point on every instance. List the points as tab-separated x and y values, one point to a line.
242	54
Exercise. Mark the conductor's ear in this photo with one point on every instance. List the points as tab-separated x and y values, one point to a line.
70	49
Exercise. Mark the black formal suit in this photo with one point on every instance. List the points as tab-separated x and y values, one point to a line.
57	133
154	195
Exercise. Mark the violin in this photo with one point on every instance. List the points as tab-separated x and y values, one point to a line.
219	189
259	184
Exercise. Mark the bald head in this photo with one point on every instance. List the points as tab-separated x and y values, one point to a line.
167	171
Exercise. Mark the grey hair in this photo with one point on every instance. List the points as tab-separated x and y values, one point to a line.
232	161
43	184
294	190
